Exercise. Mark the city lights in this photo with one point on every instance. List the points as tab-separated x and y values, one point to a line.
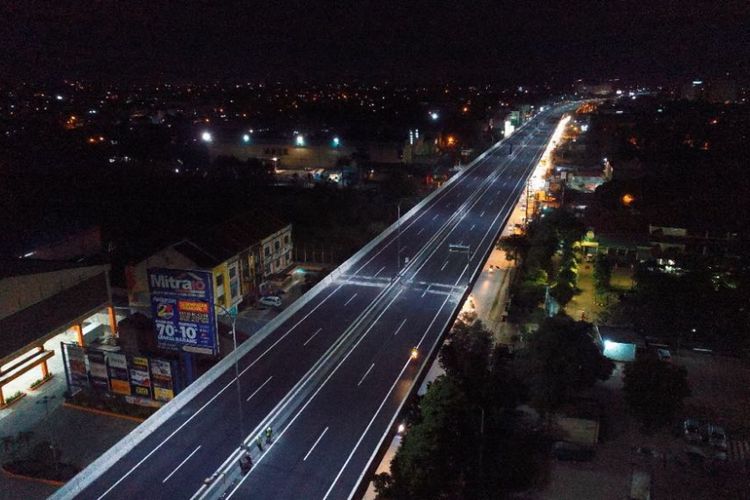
207	137
299	140
246	138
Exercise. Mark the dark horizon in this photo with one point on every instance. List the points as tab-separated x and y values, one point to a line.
665	41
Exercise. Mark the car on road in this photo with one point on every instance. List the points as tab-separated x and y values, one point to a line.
270	300
691	429
717	437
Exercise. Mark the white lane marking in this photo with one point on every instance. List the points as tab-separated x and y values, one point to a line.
181	464
320	388
365	375
315	443
352	298
367	429
444	264
229	384
420	231
482	214
436	216
472	227
256	391
399	327
379	271
318	305
426	290
313	335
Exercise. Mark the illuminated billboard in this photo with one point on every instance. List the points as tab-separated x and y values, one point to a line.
182	304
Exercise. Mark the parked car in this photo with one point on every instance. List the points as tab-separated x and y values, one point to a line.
691	429
270	300
664	355
716	436
562	450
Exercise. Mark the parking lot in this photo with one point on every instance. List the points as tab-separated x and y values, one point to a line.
720	394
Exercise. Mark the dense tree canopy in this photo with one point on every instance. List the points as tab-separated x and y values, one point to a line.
654	390
559	360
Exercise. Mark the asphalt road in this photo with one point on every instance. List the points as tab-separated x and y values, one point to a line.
331	380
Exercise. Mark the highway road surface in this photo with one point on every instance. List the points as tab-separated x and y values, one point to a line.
331	379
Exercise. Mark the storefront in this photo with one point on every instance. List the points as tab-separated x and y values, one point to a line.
44	303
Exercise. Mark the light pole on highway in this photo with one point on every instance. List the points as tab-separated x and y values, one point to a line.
236	370
398	240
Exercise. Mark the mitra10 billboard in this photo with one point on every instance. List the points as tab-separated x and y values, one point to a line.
182	304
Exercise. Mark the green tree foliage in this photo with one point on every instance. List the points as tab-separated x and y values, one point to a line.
434	452
602	273
563	292
514	246
466	355
654	390
559	360
705	305
464	442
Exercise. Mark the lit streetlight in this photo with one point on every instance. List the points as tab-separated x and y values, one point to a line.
206	136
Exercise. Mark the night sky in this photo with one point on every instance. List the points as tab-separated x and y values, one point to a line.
521	41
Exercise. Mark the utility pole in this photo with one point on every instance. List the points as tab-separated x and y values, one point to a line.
233	317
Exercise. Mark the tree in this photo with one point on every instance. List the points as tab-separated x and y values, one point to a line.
602	273
434	452
563	292
514	246
466	355
559	360
654	390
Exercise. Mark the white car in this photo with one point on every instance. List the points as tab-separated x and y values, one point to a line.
270	300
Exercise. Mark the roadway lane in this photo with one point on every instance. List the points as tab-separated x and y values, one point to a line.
325	448
293	369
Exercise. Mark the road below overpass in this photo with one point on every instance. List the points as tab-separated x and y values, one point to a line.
331	378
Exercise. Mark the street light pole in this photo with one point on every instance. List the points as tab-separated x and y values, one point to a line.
236	371
398	240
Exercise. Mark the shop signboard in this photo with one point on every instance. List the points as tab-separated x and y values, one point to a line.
182	303
140	380
118	373
76	358
161	378
98	369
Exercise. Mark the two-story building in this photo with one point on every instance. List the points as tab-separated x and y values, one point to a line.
242	254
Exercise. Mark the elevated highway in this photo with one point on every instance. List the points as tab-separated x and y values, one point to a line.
331	373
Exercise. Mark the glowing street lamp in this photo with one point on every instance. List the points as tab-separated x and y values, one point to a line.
207	137
336	142
246	138
300	140
434	115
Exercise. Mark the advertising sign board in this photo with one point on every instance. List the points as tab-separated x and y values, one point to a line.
182	303
161	378
118	373
139	377
98	369
77	375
